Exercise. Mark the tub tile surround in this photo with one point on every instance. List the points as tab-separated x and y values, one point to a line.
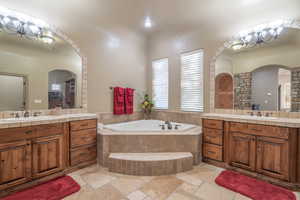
108	144
177	116
110	118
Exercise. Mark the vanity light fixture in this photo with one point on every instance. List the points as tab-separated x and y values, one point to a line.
148	22
260	34
13	22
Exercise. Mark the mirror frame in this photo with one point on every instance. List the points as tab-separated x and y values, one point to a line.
293	24
83	107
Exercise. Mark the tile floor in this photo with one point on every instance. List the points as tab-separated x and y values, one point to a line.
99	184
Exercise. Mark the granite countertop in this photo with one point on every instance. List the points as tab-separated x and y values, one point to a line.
48	119
275	121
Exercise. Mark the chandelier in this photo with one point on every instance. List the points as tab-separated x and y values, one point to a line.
16	23
261	34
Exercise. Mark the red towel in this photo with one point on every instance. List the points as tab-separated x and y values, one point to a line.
129	96
119	101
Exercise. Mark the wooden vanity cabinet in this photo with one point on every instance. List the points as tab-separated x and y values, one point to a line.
213	140
271	153
31	152
15	163
273	157
34	154
47	155
83	142
242	150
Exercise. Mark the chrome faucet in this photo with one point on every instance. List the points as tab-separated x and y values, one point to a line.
26	114
259	114
169	125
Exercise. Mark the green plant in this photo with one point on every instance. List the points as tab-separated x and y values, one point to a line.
147	104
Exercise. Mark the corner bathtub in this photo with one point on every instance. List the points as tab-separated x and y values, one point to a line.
146	136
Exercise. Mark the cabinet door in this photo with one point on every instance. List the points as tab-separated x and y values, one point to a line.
242	150
15	163
273	157
47	155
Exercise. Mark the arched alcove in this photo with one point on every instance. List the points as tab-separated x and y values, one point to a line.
224	91
62	89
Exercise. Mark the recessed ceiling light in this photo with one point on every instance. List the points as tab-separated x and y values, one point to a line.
148	23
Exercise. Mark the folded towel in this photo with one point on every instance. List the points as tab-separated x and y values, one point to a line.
119	101
129	96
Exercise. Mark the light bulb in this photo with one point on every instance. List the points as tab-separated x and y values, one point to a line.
148	23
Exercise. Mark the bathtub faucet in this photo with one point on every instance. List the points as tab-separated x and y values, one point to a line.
169	125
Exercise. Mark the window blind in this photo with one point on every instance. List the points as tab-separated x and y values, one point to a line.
192	81
160	83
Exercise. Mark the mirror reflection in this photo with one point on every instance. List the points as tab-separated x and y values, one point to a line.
262	77
37	74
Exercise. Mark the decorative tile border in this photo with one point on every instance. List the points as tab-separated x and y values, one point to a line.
294	24
83	108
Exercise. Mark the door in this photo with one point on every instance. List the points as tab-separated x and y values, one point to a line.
224	91
12	92
273	157
47	155
15	163
242	150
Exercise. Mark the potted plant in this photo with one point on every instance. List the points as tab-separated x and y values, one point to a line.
147	106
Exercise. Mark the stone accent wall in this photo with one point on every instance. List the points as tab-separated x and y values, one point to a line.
242	91
295	91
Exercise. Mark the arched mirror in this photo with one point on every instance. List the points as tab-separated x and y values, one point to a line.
265	70
34	62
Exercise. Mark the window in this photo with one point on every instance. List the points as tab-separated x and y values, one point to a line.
55	87
192	81
160	83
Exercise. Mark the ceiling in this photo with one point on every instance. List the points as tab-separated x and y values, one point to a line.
224	16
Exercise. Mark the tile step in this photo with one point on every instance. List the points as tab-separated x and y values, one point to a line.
150	164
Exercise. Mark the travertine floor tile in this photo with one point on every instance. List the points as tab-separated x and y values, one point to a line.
137	195
209	191
128	184
189	179
98	183
179	196
108	192
241	197
78	179
97	179
161	187
188	188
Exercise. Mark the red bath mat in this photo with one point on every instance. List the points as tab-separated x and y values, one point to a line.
253	188
55	189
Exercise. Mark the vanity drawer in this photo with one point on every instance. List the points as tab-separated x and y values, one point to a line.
15	134
213	136
81	155
84	124
212	151
239	127
270	131
49	129
83	137
210	123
